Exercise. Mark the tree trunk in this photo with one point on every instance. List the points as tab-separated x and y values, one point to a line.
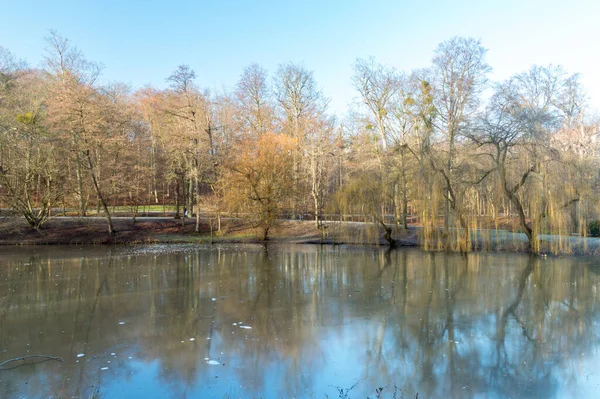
190	195
464	238
404	193
197	229
388	234
98	173
79	176
315	194
109	222
450	166
177	216
532	237
396	203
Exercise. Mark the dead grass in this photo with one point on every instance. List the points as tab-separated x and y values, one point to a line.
74	230
92	230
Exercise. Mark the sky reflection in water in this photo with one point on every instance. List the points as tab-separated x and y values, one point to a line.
152	322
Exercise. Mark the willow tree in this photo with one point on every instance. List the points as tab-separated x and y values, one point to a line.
412	113
517	133
458	76
362	194
578	142
419	110
259	181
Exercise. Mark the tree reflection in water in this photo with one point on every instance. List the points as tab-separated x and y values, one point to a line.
441	325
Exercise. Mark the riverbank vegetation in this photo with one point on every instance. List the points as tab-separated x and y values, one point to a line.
443	148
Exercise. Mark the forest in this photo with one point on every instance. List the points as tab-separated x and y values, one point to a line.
443	148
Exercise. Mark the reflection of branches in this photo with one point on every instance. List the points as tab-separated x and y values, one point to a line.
298	305
450	294
510	309
386	263
345	392
570	307
43	357
103	284
12	294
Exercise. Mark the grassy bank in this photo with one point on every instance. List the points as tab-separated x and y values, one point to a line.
92	230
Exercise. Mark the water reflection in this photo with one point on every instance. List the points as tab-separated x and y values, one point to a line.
298	321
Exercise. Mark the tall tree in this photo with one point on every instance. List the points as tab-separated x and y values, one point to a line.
458	75
253	96
192	116
301	104
259	181
77	108
517	133
31	176
377	86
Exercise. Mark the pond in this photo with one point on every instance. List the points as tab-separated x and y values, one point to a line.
229	321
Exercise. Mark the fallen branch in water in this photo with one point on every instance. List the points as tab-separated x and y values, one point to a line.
58	359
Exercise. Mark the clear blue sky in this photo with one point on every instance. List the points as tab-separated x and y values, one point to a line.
142	41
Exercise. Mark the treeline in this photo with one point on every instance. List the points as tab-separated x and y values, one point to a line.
442	147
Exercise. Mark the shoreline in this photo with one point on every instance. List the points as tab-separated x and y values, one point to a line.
164	230
167	230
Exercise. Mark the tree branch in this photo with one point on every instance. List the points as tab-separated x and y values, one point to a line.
482	178
58	359
570	202
522	181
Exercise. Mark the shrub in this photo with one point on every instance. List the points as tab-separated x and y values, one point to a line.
594	228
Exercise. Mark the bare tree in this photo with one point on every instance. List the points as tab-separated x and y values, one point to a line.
458	76
253	95
30	172
377	86
77	109
194	115
301	103
517	130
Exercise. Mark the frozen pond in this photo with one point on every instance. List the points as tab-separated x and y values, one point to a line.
296	322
